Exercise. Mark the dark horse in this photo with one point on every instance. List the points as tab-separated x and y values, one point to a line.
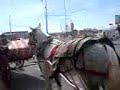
19	50
5	73
9	52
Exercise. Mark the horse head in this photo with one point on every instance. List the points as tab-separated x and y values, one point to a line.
4	50
37	35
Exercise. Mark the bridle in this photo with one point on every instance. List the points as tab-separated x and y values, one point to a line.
42	46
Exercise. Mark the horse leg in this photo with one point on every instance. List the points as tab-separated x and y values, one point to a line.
6	72
96	82
7	76
57	78
104	85
47	79
58	81
45	70
39	64
2	85
48	85
92	86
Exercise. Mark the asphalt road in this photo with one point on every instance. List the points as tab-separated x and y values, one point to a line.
29	78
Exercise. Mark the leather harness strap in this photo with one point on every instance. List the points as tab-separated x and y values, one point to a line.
110	43
53	52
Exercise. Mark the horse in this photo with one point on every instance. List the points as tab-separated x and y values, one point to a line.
18	50
5	75
12	51
95	63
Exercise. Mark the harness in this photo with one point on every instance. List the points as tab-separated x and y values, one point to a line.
73	59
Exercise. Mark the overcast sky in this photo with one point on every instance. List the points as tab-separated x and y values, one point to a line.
84	14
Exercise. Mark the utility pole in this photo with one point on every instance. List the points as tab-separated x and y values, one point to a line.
65	16
46	16
10	23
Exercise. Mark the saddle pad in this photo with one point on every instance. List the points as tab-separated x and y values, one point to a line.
71	47
20	49
91	65
16	44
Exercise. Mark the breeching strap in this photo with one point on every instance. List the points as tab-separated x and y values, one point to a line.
110	43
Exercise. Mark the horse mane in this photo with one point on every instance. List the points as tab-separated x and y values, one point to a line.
49	40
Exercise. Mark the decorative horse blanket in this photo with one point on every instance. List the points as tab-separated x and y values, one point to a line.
19	49
68	50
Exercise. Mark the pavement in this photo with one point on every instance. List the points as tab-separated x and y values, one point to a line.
29	78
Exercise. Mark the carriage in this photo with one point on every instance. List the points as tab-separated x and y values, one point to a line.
20	51
12	56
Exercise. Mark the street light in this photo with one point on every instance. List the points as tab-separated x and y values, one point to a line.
46	16
10	24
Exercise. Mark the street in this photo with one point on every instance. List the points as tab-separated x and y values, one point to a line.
29	78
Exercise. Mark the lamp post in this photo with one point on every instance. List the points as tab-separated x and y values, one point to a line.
10	23
65	16
46	16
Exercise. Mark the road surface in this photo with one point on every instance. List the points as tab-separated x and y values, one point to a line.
29	78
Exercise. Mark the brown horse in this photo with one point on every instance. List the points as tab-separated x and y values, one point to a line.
12	51
5	73
19	50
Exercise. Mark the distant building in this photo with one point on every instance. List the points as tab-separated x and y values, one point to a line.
89	32
17	34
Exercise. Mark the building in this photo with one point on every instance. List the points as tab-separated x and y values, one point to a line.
15	35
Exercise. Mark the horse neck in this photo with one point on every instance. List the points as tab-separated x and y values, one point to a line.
50	47
40	36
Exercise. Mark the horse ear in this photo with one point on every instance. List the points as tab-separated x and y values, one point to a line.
39	26
31	28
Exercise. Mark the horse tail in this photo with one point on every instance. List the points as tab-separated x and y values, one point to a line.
114	69
110	43
114	59
114	73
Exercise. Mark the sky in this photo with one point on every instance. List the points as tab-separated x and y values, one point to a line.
84	14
